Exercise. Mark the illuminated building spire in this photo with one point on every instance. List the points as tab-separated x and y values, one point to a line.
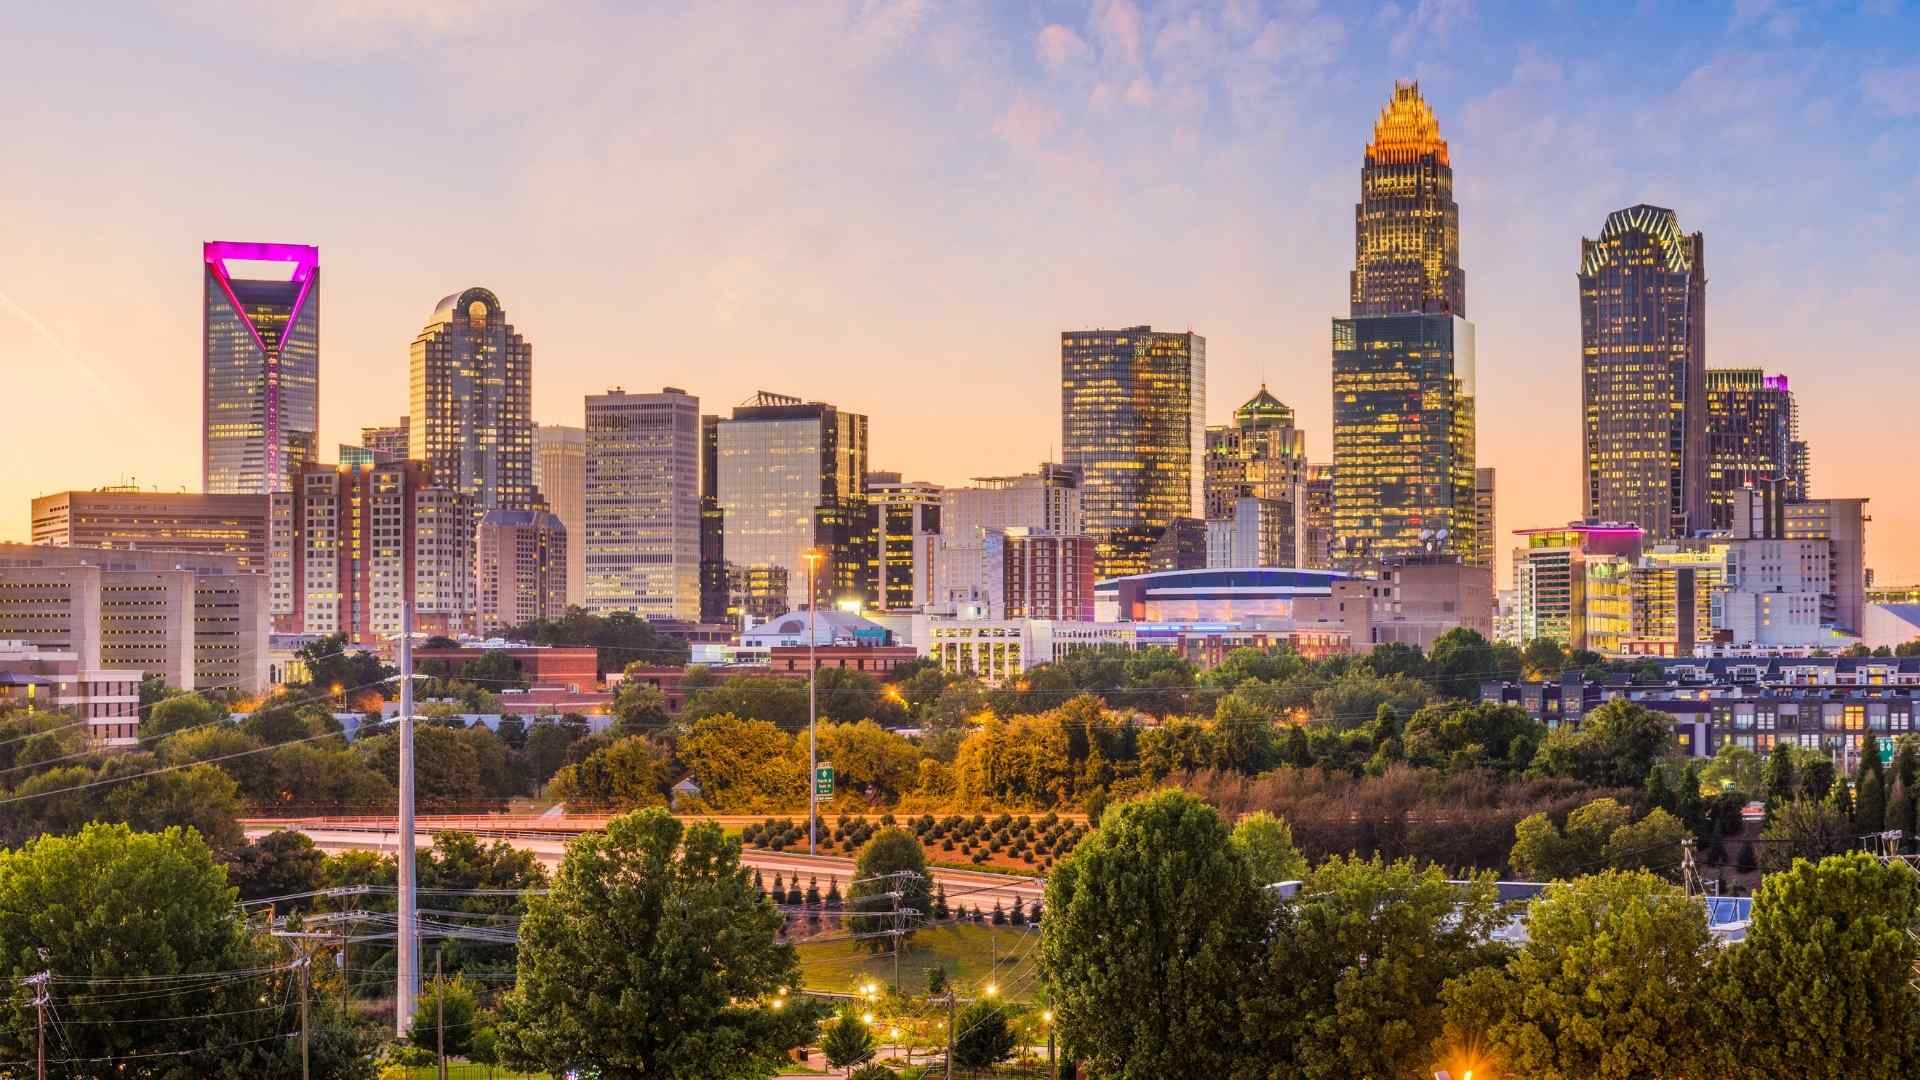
1407	226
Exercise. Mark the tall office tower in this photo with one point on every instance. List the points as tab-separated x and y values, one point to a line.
560	476
1406	227
1048	576
643	504
789	478
132	520
353	544
1133	406
1753	435
1483	516
260	395
1316	523
906	525
1263	456
1643	348
1403	363
520	568
1551	580
471	419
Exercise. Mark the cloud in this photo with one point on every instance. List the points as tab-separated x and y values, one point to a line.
1893	91
1058	45
1117	23
1430	23
1139	92
357	26
1309	37
1027	124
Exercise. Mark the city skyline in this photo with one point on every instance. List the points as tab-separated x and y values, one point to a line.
1545	139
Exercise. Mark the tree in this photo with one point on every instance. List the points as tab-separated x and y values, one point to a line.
1152	934
652	954
1652	843
330	663
1355	972
1610	985
1816	777
1459	661
1780	786
546	747
1822	983
1614	746
1543	852
485	883
1354	699
774	699
178	712
1804	829
446	765
639	708
982	1037
742	764
892	861
629	774
141	909
1543	658
1266	843
278	864
848	1041
1483	733
447	1008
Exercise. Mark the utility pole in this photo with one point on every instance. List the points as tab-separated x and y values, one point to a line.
42	986
407	966
304	964
439	1015
949	1033
813	681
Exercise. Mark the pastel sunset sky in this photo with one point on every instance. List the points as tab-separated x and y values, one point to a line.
896	205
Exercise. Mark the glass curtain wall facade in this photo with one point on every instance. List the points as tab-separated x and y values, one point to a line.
560	476
1643	295
260	346
1260	456
790	476
1133	420
642	495
1403	362
1753	435
472	402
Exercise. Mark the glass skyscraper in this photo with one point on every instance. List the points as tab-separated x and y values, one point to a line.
1263	456
1403	363
787	476
643	504
1753	435
1643	299
471	419
260	342
1133	407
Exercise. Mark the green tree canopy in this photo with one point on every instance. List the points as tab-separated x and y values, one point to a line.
1355	971
1153	930
1266	843
848	1041
1611	985
1480	733
982	1036
1822	985
892	861
653	955
775	699
1615	745
448	1008
1543	852
628	774
178	712
743	764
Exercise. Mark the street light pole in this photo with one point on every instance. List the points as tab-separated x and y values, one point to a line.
407	960
813	679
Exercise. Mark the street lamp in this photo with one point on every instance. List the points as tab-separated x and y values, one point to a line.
813	557
1047	1019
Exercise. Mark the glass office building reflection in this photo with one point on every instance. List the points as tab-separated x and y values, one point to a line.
260	342
471	419
1643	301
1133	408
788	476
1403	361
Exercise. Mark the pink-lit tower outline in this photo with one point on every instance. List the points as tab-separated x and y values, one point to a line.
297	292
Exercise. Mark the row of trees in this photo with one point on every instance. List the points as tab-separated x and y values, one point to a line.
1165	957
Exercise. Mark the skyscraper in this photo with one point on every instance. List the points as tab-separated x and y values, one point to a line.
1403	363
974	520
1753	434
1133	407
789	477
1643	298
520	568
643	504
1483	515
906	527
1260	456
471	419
260	346
560	475
1406	227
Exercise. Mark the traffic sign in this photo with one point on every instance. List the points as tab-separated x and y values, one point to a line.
823	781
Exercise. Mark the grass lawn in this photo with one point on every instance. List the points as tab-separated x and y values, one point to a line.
971	954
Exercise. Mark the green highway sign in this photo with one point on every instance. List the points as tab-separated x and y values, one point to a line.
823	781
1886	750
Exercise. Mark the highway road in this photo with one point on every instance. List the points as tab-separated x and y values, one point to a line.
971	887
